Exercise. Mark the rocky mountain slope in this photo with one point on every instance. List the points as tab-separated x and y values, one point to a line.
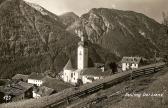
68	18
34	39
125	33
24	28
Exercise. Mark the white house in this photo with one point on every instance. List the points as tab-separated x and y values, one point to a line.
131	63
36	78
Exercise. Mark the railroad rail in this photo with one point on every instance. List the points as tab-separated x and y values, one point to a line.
88	89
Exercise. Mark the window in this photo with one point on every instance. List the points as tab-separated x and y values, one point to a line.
80	53
71	75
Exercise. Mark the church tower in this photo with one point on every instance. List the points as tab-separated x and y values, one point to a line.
82	53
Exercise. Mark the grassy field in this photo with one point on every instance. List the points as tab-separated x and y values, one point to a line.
158	84
138	89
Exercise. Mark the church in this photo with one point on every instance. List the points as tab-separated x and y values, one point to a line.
82	71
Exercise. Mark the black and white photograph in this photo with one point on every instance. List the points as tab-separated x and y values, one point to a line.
83	53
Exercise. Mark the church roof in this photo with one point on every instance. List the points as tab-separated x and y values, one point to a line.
68	66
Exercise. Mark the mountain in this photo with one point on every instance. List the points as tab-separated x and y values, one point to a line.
68	18
25	28
33	39
125	33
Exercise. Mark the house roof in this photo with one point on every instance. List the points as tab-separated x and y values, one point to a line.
37	76
56	84
16	89
94	72
25	85
135	60
98	65
20	76
44	91
68	66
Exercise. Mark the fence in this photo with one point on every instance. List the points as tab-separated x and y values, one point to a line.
110	81
71	94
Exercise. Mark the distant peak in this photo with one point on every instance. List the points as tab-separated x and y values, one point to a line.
69	13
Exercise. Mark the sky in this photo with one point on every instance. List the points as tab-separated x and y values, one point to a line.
151	8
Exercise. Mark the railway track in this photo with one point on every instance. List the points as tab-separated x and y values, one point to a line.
94	99
89	89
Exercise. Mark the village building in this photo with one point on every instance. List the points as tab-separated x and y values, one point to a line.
91	74
82	71
36	78
131	63
20	77
16	91
68	72
100	66
41	91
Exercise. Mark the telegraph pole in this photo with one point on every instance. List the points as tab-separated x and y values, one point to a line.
155	59
155	56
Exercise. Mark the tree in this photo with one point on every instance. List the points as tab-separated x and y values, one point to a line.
54	49
57	46
79	83
113	67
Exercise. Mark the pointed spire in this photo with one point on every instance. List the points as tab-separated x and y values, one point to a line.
68	66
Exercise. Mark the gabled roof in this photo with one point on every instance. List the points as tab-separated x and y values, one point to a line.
44	91
96	72
20	76
16	89
98	65
69	66
25	85
56	84
135	60
36	76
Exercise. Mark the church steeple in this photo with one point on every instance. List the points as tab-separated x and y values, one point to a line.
82	51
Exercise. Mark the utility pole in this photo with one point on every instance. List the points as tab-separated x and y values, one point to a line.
1	32
155	55
155	59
